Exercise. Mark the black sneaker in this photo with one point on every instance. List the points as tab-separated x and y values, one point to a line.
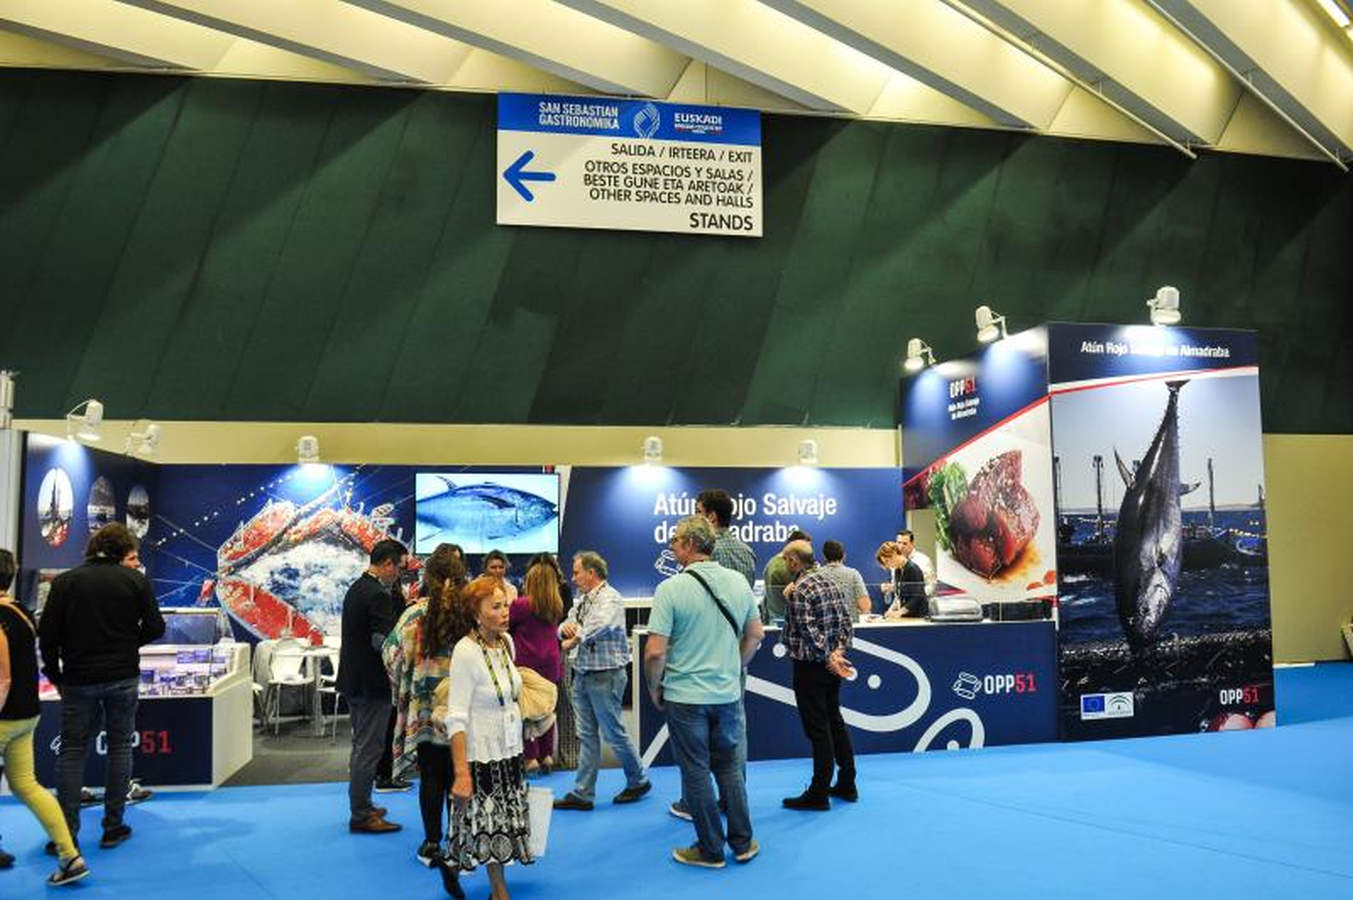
114	836
429	853
573	801
808	800
631	794
392	786
69	872
6	860
89	798
679	809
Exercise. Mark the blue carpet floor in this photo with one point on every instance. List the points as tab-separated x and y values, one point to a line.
1245	814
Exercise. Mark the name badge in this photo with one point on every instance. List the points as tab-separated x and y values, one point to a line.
511	724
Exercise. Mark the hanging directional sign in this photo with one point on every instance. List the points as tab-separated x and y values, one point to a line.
636	165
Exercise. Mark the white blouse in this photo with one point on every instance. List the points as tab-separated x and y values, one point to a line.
485	711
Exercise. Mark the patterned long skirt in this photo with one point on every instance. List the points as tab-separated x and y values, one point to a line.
495	824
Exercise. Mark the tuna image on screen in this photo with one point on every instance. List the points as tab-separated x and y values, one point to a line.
511	512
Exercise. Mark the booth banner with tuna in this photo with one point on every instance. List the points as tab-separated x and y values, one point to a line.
1162	551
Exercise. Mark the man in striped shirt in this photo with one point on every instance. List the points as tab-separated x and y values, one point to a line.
817	634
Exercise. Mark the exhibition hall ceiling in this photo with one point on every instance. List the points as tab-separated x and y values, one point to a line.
1271	77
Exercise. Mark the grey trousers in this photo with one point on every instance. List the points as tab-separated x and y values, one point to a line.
369	718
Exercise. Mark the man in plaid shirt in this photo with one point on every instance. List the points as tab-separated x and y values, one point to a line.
817	634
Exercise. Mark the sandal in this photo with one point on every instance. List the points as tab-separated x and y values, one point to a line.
69	872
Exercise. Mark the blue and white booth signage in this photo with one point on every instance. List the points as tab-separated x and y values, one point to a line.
634	165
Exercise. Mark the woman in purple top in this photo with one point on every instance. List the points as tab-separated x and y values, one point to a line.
534	617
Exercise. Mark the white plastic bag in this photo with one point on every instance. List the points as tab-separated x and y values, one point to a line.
540	802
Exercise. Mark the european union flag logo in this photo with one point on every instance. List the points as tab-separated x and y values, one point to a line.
1092	703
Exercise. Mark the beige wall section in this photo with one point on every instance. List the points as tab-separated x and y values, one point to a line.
1310	516
1309	477
275	442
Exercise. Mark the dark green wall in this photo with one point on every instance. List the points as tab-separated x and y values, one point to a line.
215	249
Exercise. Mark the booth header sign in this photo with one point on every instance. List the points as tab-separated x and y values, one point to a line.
634	165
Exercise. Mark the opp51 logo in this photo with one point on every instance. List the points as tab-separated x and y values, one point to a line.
1119	705
968	686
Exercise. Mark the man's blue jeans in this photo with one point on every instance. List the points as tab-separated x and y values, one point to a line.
80	704
597	697
712	738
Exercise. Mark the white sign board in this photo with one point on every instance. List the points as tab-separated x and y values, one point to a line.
633	165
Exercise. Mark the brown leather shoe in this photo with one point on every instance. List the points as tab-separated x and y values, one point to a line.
372	824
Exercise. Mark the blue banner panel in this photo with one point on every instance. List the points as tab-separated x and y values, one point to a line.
611	117
950	404
1078	352
627	514
170	746
919	687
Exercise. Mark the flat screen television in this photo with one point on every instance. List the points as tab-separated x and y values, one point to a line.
515	512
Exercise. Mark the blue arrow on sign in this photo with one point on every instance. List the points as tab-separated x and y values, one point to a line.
517	176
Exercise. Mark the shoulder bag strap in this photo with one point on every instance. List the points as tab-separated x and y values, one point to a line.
737	633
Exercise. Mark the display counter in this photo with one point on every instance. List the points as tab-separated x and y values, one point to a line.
919	686
194	722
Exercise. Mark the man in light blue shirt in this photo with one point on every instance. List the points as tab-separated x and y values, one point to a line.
703	629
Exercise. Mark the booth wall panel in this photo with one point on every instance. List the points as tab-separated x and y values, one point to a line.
268	251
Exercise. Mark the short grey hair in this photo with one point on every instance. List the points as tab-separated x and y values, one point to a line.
696	530
593	562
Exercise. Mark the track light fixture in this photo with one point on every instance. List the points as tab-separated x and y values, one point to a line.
143	438
307	450
652	448
919	355
990	325
1165	306
82	422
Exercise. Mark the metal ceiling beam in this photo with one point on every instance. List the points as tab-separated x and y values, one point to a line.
548	36
1288	55
756	43
328	30
1131	55
991	75
106	28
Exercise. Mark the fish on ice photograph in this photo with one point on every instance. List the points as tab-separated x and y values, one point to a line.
56	506
1163	552
514	512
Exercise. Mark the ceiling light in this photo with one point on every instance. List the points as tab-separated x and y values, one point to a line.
990	326
307	450
84	420
652	449
142	441
1165	306
808	452
919	355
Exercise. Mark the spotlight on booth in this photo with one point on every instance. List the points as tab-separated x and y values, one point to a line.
82	422
652	449
1165	306
808	452
990	325
919	355
307	450
143	438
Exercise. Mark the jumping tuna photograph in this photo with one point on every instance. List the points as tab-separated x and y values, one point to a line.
1163	555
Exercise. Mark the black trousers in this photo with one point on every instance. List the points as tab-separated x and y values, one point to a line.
434	781
386	767
817	693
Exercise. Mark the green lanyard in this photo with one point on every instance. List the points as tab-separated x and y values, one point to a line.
493	670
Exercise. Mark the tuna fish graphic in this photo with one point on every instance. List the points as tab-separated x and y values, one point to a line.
1149	541
483	512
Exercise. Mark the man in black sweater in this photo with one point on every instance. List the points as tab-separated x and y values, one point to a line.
97	617
368	616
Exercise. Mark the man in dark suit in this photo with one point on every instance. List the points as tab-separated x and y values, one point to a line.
367	619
